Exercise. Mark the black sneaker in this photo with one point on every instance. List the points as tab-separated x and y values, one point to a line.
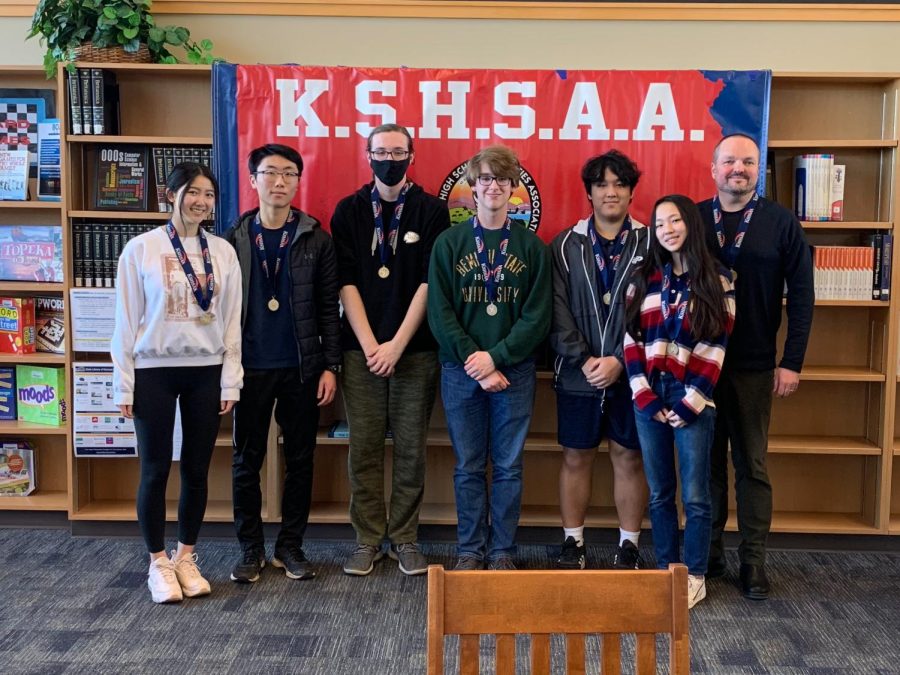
627	557
572	555
293	562
247	570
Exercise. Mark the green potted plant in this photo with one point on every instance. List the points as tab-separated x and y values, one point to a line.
67	26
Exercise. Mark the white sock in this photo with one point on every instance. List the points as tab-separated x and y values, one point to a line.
633	537
576	532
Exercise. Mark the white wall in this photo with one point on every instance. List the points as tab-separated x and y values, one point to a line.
859	47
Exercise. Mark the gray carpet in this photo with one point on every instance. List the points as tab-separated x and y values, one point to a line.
81	605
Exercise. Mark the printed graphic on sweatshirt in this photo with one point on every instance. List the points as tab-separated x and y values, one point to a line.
472	286
524	204
180	302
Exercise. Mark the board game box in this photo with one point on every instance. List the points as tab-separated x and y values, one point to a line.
49	324
17	325
31	253
17	476
41	395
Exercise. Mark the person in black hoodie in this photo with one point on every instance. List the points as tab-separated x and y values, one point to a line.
592	261
383	234
291	353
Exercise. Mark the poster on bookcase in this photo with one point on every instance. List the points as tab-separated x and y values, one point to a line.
668	122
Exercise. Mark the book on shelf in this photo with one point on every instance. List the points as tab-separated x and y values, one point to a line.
848	272
165	158
121	178
31	253
812	186
50	324
887	250
159	172
836	193
17	474
49	178
104	102
87	110
14	175
17	325
75	118
97	248
41	394
8	393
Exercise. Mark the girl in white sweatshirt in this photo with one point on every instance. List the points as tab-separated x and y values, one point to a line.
177	340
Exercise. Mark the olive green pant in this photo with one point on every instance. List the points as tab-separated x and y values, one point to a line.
403	404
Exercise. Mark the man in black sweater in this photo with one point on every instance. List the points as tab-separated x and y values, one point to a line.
764	245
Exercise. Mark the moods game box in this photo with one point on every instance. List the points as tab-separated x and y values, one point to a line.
41	394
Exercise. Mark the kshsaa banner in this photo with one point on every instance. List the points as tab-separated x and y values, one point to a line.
668	122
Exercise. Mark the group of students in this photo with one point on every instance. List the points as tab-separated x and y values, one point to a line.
639	319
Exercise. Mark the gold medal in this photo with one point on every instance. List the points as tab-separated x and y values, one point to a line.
672	349
491	309
733	277
273	305
384	272
206	318
607	298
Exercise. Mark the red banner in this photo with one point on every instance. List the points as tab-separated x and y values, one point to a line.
668	122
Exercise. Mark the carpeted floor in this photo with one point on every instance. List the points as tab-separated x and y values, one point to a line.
81	605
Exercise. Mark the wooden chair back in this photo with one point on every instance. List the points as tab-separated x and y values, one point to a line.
573	603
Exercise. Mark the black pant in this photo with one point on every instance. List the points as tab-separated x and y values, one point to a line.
297	413
744	403
196	389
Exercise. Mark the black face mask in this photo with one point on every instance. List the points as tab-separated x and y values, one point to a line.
389	171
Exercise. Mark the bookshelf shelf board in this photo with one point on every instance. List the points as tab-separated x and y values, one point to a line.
223	440
14	427
537	441
834	77
852	303
894	525
30	288
141	140
846	225
833	143
40	358
31	204
40	500
217	510
813	522
121	215
841	374
823	445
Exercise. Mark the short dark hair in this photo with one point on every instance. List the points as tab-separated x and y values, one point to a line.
387	129
184	174
738	135
257	155
620	164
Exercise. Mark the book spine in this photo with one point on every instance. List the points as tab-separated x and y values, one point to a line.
159	170
74	103
887	251
97	99
801	173
177	156
838	176
118	243
77	247
877	244
87	111
106	233
97	254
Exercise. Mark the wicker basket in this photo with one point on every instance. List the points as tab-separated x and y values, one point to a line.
88	52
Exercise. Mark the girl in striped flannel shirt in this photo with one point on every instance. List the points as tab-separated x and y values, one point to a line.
680	311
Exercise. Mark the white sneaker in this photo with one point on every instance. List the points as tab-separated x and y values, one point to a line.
164	586
696	589
189	578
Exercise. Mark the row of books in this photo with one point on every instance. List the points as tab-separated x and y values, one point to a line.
93	102
96	250
854	272
165	159
32	324
818	187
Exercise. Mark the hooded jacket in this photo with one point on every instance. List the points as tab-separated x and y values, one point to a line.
314	289
580	329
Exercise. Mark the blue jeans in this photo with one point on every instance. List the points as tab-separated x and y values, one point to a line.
483	425
693	443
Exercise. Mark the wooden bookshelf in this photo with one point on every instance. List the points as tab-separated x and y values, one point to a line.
31	204
139	140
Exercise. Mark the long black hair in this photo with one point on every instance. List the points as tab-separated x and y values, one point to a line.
706	311
184	174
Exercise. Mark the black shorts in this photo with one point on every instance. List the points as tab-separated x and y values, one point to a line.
583	421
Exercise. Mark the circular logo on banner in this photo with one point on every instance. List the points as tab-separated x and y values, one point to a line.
524	204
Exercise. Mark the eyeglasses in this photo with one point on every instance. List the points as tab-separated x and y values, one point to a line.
381	153
272	174
486	179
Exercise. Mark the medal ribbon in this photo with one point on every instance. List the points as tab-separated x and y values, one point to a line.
491	276
731	253
394	226
256	236
605	267
673	321
203	300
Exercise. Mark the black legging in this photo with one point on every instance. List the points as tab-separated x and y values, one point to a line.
197	389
